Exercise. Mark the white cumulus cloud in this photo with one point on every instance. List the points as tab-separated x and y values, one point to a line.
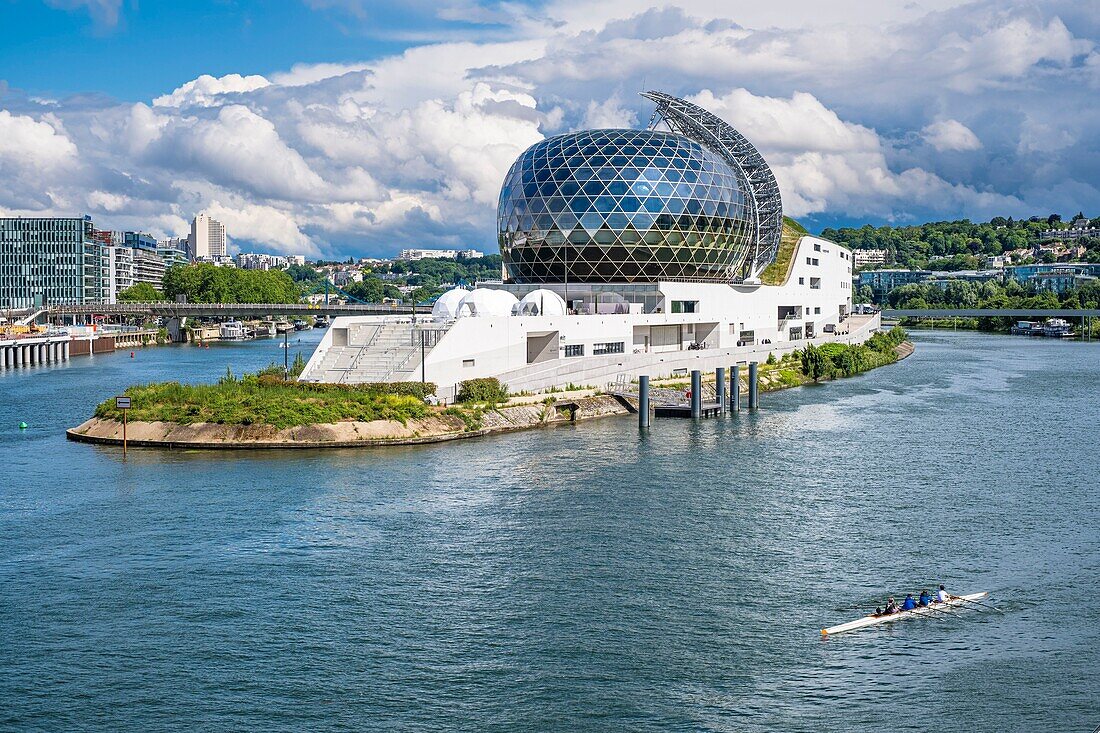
946	135
208	91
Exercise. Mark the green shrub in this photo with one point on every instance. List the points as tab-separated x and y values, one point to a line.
815	364
472	418
484	389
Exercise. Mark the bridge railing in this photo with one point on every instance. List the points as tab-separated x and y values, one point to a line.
186	309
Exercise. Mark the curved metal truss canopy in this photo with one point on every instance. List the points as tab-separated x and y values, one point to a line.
759	182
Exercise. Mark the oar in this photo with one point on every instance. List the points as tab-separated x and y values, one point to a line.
935	610
983	605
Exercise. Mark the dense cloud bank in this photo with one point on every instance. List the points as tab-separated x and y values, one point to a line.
963	110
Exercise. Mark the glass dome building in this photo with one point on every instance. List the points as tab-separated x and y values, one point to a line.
627	206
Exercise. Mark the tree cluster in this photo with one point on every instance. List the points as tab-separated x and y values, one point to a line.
841	360
207	283
140	293
961	294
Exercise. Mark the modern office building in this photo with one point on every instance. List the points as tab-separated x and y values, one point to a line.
1054	277
1023	273
625	252
868	257
942	279
207	238
261	261
52	260
442	254
882	282
120	270
149	265
174	251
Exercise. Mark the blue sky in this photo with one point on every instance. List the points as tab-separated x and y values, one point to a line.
69	48
335	127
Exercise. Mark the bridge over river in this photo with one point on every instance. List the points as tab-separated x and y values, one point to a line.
1067	313
1082	315
175	314
170	309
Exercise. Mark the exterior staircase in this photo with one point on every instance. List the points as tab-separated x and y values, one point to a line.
376	352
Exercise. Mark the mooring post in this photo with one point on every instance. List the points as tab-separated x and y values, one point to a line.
720	389
696	393
735	388
643	401
754	389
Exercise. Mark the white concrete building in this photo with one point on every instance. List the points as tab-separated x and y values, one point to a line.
445	254
261	261
864	257
624	252
658	329
120	270
207	238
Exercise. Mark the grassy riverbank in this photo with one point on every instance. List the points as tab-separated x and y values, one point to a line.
819	363
268	400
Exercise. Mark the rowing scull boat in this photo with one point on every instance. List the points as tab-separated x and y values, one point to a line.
872	620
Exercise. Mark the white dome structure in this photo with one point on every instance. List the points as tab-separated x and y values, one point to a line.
485	302
540	302
446	306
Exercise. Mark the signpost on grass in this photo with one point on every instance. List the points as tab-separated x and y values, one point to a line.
123	403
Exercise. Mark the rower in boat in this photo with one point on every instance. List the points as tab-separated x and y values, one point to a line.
891	606
941	595
925	598
893	613
908	604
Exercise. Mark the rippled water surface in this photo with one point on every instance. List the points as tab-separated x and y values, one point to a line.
574	578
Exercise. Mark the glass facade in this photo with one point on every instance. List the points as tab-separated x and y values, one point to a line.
622	206
51	260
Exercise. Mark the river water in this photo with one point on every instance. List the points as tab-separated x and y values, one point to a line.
574	578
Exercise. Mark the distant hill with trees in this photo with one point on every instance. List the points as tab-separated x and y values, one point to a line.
955	245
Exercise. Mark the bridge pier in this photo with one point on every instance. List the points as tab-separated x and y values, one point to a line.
176	330
720	389
696	393
754	386
735	388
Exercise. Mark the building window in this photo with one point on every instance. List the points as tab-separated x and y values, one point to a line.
817	311
801	281
815	283
817	248
685	306
809	261
467	362
814	261
574	350
614	347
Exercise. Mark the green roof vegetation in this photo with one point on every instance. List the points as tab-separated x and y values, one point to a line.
777	272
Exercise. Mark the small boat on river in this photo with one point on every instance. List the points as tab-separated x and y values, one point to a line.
935	609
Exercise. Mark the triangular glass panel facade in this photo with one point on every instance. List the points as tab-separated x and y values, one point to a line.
622	206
